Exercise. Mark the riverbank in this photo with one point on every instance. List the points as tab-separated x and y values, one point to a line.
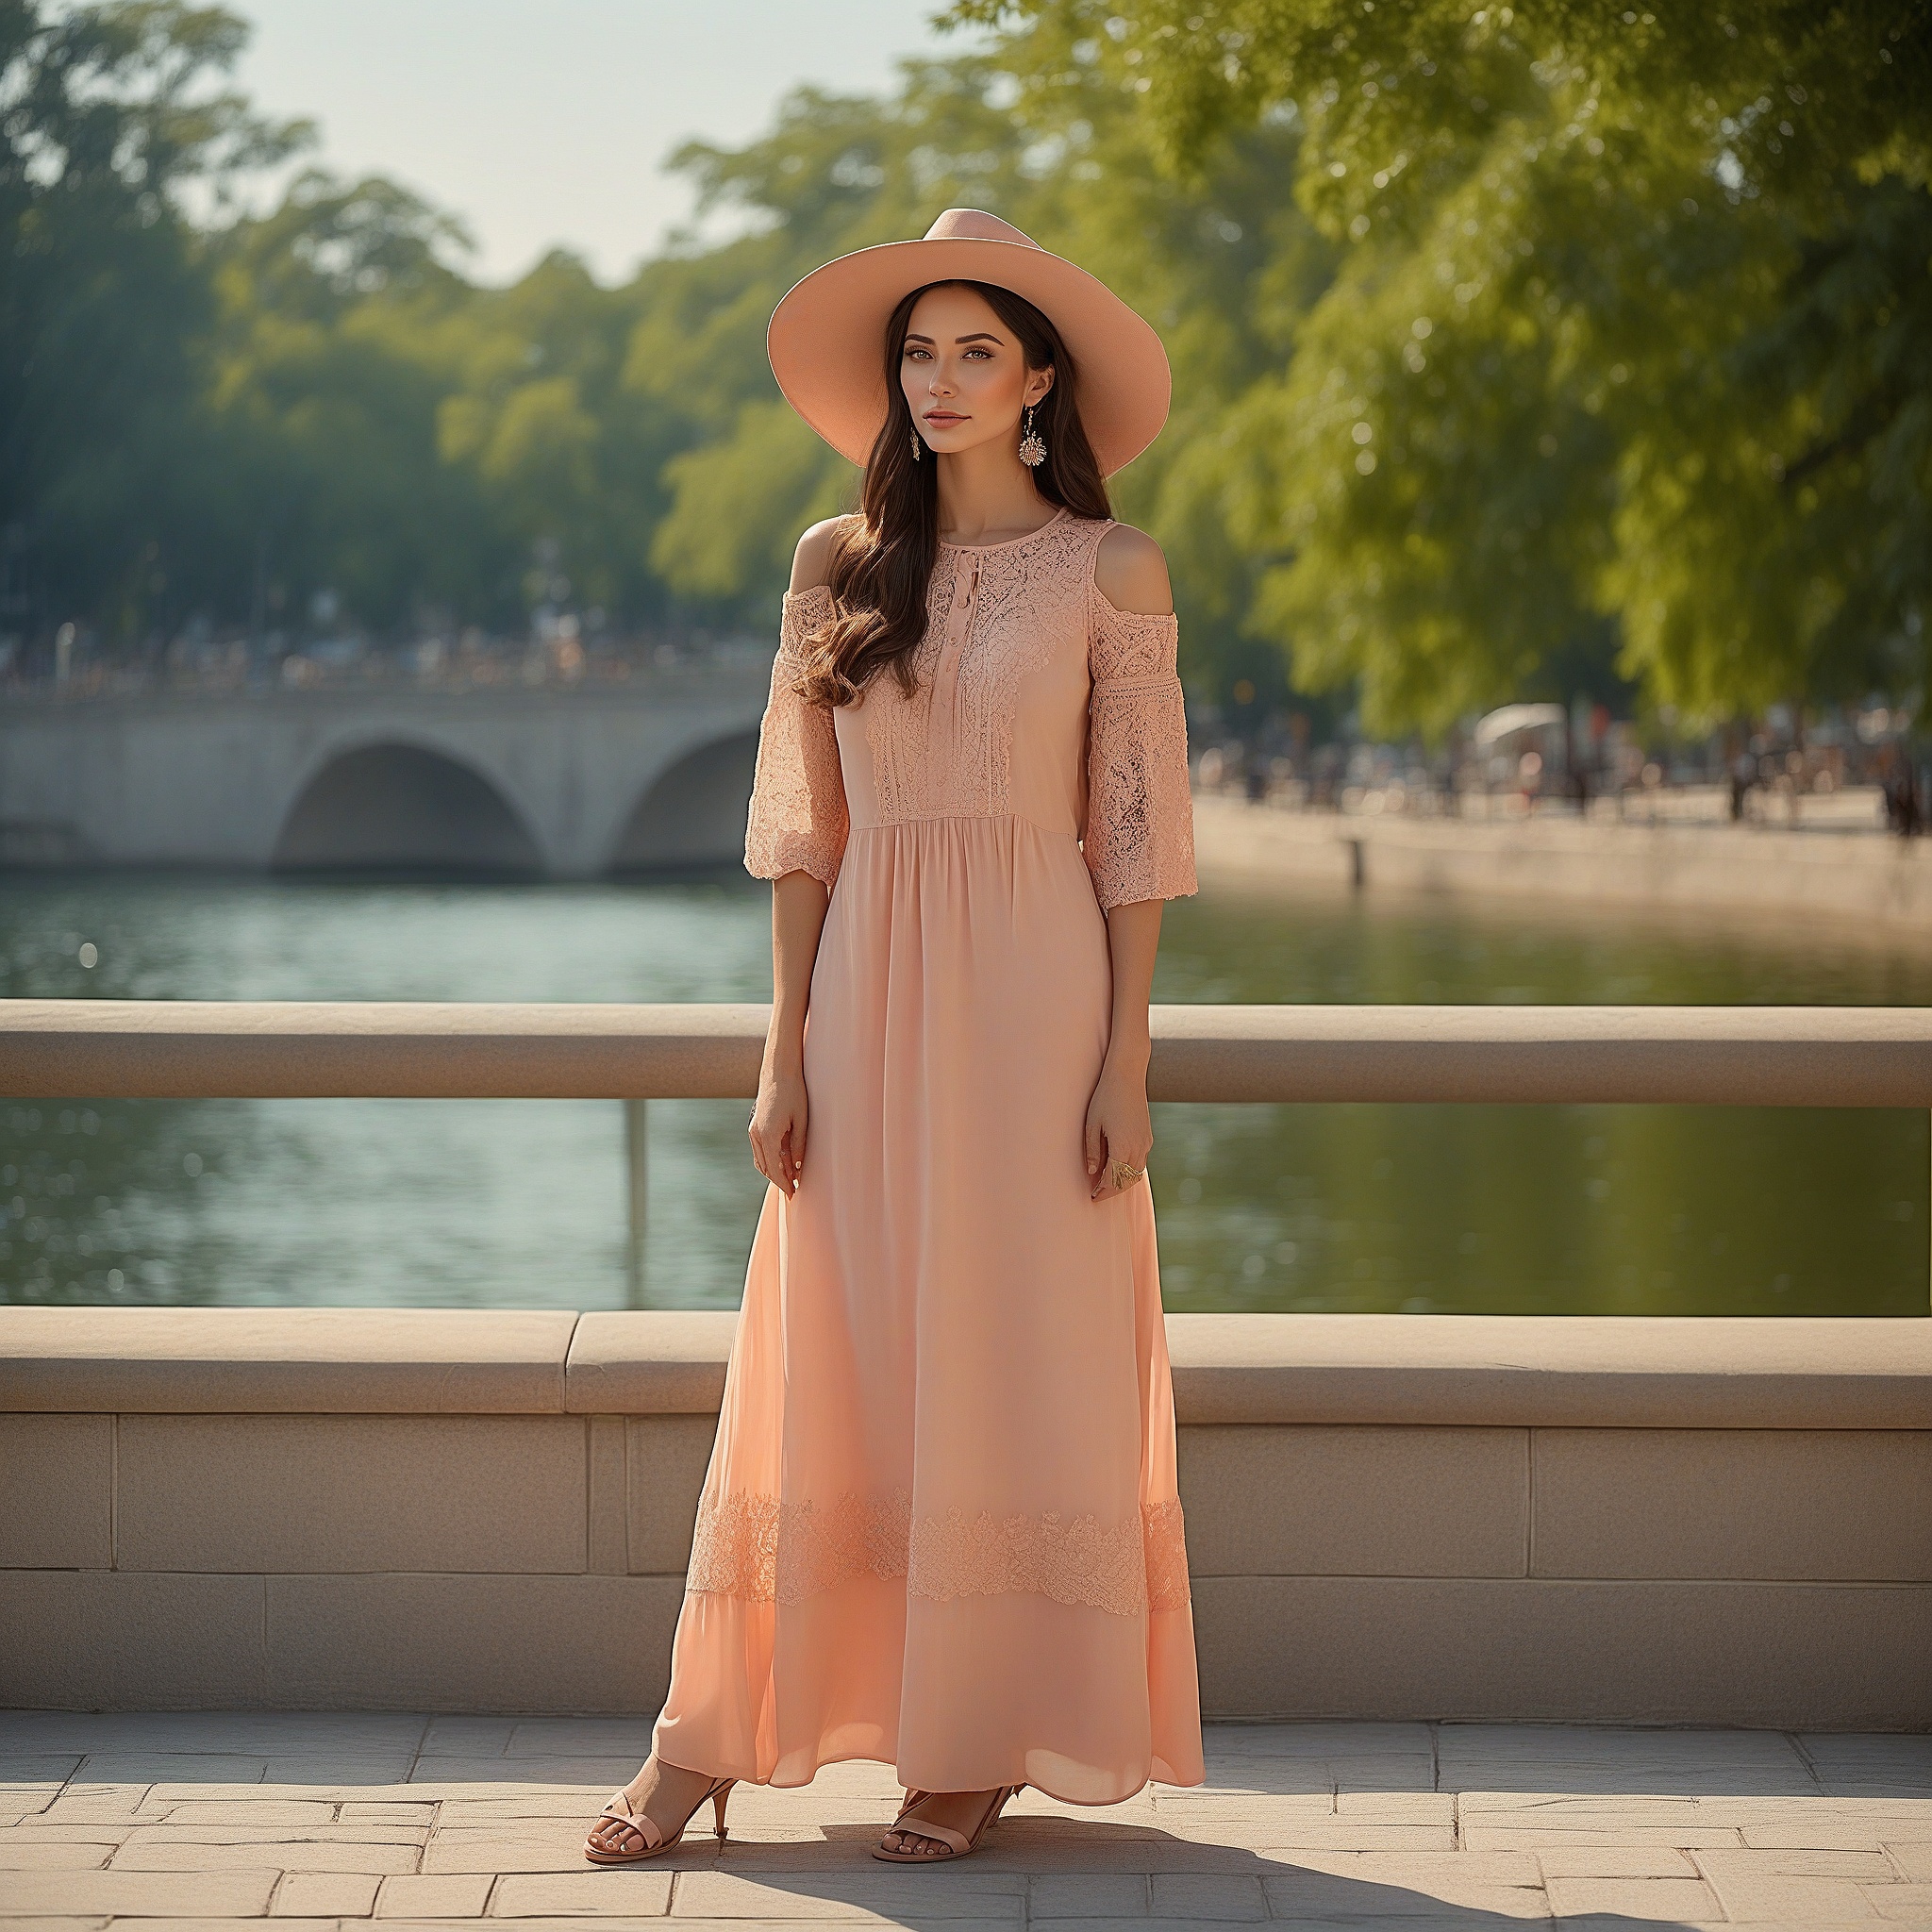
1834	869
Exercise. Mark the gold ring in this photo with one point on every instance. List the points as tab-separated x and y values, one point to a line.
1122	1173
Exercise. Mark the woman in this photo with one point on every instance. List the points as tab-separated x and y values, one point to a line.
939	1527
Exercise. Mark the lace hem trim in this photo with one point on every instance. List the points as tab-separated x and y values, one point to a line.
767	1550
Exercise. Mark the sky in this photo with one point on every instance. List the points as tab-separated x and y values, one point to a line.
547	122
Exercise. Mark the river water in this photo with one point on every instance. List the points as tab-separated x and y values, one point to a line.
520	1204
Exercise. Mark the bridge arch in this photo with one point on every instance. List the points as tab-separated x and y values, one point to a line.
391	805
692	815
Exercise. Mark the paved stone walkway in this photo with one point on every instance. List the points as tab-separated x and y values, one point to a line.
323	1820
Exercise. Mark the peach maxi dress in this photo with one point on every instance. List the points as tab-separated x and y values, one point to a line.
939	1527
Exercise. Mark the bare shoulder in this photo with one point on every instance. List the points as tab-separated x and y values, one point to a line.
811	562
1130	568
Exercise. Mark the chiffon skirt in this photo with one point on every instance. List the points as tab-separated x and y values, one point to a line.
939	1528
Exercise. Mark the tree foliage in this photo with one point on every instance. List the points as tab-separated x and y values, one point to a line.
1515	348
1634	323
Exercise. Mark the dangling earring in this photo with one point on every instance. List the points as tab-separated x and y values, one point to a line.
917	445
1032	451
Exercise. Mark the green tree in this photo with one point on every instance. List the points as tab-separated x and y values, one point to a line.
1634	323
107	114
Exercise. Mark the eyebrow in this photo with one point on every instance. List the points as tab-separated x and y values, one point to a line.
980	336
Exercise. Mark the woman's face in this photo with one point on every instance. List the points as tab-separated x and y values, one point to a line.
965	377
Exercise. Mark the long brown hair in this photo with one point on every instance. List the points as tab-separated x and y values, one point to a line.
881	567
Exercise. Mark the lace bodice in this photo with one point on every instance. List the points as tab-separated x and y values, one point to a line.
1035	697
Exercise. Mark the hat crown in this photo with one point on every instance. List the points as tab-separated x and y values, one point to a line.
975	224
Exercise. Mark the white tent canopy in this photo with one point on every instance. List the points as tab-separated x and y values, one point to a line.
1502	723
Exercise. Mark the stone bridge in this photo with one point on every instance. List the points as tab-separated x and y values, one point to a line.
650	775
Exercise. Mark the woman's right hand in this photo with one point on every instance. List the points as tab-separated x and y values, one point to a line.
777	1127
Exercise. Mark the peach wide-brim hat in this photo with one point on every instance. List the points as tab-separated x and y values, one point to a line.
828	336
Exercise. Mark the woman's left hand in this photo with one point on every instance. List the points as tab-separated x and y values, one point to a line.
1120	1131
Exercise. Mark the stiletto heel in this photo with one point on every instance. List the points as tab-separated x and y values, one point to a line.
618	1811
956	1842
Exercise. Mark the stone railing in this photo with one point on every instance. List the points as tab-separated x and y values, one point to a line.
1694	1521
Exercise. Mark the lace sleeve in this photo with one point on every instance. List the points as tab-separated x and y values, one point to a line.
1140	837
797	820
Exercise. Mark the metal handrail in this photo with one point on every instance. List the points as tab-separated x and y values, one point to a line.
1696	1055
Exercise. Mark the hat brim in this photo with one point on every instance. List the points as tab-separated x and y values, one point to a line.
826	339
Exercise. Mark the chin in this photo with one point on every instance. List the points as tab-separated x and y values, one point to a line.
951	442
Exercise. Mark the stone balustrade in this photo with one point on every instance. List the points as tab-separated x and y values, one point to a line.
1599	1519
1515	1055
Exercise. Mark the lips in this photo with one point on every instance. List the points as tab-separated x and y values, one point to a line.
940	419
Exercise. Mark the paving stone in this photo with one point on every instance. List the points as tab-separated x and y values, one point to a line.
1613	1759
82	1925
612	1892
468	1737
1283	1839
535	1802
1311	1895
1427	1868
286	1855
1505	1885
1088	1895
515	1846
1616	1861
1791	1898
880	1891
170	1832
206	1925
1357	1807
37	1830
51	1855
1478	1838
1912	1903
271	1814
1849	1835
1590	1808
1188	1896
600	1774
166	1794
905	1922
1674	1899
204	1731
144	1894
1802	1863
1328	1823
1145	1924
317	1769
1852	1759
325	1895
581	1737
450	1895
184	1767
1342	1738
97	1805
441	1792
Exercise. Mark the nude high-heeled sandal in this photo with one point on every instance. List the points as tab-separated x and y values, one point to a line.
647	1828
957	1843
